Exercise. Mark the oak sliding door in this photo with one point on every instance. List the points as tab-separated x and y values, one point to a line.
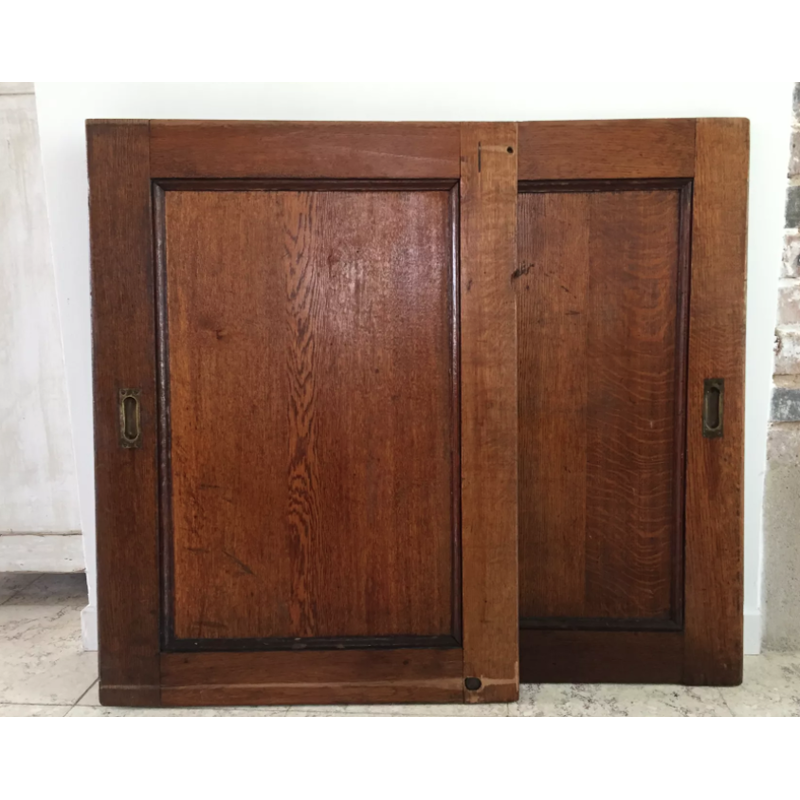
630	302
291	390
408	412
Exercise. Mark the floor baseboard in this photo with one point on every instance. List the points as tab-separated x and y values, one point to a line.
752	633
41	552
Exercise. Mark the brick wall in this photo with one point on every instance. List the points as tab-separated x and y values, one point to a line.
782	486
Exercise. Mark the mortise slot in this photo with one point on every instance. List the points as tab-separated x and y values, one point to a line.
713	395
131	431
129	418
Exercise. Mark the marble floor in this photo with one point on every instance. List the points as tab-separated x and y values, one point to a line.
45	673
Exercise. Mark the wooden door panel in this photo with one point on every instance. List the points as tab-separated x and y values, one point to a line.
489	408
325	326
124	344
289	500
630	290
313	438
241	149
607	149
601	353
359	675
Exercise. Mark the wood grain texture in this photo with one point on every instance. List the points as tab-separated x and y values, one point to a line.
643	148
489	409
551	284
632	437
597	289
130	696
344	676
715	467
185	149
310	338
123	341
600	656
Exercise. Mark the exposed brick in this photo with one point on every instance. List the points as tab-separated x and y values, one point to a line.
794	154
787	350
791	256
785	405
793	207
789	302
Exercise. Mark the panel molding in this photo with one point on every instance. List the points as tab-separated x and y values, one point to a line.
169	641
164	431
607	185
598	624
309	643
305	184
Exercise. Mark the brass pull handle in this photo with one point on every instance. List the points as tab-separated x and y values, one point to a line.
130	428
713	407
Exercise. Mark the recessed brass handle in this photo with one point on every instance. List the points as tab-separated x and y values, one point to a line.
713	407
130	427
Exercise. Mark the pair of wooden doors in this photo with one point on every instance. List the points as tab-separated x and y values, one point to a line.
393	412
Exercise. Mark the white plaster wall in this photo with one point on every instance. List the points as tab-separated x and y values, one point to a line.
63	108
38	478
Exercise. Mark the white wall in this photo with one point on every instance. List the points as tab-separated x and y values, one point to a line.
38	478
64	107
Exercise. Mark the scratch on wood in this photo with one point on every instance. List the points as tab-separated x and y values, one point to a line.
240	563
522	269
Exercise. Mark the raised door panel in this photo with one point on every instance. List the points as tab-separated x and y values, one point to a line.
602	343
630	285
313	442
292	324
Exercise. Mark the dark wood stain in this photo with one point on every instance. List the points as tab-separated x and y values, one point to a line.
598	523
187	149
606	149
312	414
136	696
553	247
600	656
715	467
123	345
630	413
705	643
339	676
328	397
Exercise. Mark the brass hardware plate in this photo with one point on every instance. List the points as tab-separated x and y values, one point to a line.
130	426
713	407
